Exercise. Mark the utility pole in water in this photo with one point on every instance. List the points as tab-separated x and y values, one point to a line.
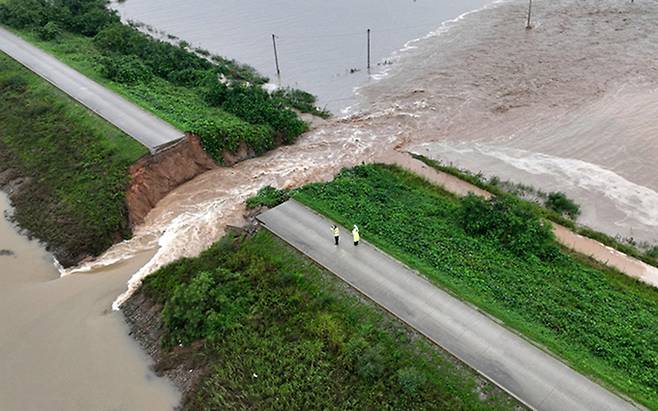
368	50
528	26
276	56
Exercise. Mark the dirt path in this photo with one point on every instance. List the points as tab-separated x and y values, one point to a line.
576	242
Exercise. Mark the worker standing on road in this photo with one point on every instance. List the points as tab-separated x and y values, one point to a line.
336	231
355	234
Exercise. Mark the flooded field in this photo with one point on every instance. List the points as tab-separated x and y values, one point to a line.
322	45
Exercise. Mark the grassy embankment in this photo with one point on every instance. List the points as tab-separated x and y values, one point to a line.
564	214
77	165
178	84
281	333
500	257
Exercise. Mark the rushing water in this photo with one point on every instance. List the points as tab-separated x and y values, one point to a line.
568	105
61	348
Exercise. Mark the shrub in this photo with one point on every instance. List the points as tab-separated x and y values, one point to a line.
652	252
562	205
411	380
371	365
13	83
93	21
125	69
24	13
204	309
119	38
510	222
301	100
50	31
254	105
268	196
227	133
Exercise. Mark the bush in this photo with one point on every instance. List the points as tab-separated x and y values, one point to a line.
301	100
93	21
268	196
119	38
125	69
411	380
511	223
562	205
50	31
204	309
24	13
256	106
13	83
227	133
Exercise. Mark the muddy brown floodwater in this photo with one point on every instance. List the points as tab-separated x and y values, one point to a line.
571	105
61	348
568	105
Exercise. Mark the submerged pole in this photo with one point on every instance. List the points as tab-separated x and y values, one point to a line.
528	25
368	49
276	56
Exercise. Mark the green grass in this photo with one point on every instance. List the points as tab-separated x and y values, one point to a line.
502	188
220	100
281	333
183	107
77	164
603	323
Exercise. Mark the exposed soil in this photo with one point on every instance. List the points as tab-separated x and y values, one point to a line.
154	176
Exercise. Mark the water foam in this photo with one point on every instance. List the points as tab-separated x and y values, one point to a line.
638	203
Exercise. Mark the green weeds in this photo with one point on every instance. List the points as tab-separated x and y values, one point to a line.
76	163
220	99
603	323
280	333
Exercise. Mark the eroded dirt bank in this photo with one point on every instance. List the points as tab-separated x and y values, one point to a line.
154	176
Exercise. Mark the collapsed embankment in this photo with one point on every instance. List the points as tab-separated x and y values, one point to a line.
152	177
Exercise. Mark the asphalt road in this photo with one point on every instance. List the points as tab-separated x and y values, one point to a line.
536	378
131	119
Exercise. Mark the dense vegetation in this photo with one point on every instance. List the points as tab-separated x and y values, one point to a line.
76	163
220	100
281	333
552	206
268	196
604	323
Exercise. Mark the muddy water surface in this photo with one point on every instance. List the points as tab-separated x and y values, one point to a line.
319	42
569	105
61	348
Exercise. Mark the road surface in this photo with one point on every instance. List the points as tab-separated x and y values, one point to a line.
534	377
131	119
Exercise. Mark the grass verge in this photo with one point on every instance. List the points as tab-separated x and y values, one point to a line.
282	333
500	188
603	323
220	100
75	162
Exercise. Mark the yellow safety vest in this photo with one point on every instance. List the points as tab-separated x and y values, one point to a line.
356	235
336	232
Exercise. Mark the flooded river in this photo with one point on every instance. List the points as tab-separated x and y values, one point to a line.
61	347
569	105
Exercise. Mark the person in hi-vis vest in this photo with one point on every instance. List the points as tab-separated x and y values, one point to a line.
355	234
336	231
